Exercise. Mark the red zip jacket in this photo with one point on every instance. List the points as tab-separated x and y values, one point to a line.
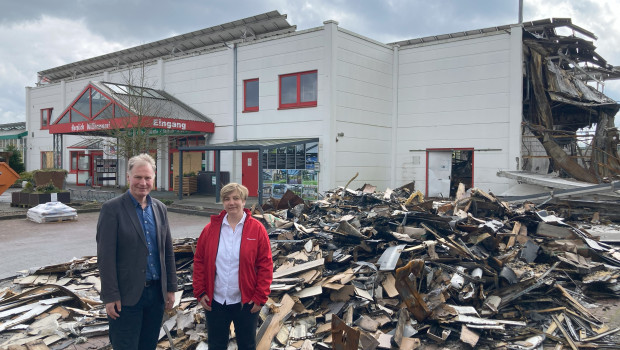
255	265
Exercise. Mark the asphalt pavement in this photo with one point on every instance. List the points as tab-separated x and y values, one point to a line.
25	244
28	245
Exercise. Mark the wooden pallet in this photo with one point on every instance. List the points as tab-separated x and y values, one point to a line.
190	185
56	221
61	220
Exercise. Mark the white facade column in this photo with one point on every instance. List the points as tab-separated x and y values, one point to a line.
162	163
63	94
516	97
394	152
161	81
327	144
29	155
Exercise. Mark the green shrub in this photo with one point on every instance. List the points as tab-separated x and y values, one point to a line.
15	160
167	201
48	188
25	176
29	188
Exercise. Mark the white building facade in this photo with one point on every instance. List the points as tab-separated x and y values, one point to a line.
392	113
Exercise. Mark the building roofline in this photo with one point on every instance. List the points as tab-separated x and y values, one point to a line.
540	27
250	28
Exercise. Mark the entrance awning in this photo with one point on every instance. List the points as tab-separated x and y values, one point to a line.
244	145
13	131
111	110
87	144
104	106
250	145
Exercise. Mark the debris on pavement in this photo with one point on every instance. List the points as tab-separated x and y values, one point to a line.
371	270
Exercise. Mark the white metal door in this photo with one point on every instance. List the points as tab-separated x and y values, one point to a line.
439	171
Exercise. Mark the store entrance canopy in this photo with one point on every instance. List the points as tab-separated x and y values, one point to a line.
245	145
110	109
103	106
87	144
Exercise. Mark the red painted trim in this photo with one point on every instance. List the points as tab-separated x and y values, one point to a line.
246	108
426	182
73	110
296	107
129	122
103	109
46	114
92	124
42	153
298	103
77	154
449	149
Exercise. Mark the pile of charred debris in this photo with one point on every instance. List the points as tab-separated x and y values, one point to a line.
370	270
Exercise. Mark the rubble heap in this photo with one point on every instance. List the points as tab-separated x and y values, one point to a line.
367	269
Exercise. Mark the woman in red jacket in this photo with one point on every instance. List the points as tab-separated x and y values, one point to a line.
233	270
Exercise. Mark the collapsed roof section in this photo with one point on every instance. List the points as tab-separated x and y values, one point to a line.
559	106
250	28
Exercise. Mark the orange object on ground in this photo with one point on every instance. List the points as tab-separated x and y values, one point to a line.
8	176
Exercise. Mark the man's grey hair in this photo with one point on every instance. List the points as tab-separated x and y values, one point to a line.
140	159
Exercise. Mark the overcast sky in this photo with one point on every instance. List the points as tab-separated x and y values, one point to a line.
36	35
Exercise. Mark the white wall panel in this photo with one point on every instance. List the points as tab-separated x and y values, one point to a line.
447	118
454	94
267	60
373	175
455	89
444	50
450	75
348	101
363	97
363	116
279	131
459	103
364	88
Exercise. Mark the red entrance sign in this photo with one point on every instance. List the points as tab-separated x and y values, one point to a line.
129	123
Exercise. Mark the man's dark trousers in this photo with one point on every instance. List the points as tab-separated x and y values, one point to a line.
138	326
218	325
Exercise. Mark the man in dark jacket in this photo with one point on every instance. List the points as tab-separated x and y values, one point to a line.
136	260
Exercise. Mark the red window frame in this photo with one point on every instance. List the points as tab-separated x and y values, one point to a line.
77	154
46	118
298	103
245	106
44	156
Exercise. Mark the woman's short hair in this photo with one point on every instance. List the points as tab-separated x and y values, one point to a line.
232	187
140	159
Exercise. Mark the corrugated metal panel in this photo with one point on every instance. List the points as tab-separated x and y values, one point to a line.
262	25
251	144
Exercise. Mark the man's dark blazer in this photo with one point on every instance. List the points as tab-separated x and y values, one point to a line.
122	251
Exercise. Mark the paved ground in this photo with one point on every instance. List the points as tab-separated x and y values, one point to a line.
25	244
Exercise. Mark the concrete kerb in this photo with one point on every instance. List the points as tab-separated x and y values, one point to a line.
201	205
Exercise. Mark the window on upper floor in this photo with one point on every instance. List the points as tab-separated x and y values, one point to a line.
298	90
250	95
46	117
